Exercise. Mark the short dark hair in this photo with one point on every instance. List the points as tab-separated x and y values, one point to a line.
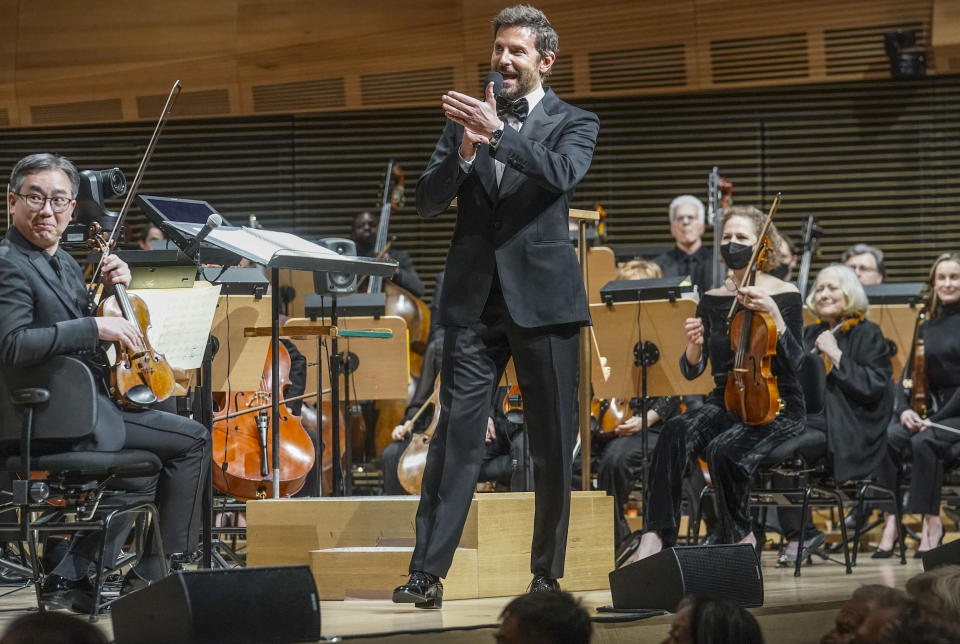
52	628
44	161
720	621
523	15
556	617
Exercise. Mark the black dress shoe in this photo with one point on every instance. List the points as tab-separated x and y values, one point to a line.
77	595
884	554
423	590
544	584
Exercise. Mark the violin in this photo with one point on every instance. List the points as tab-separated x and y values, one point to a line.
414	458
917	382
243	445
140	376
751	390
608	413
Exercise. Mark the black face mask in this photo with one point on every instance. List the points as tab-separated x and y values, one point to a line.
781	271
736	255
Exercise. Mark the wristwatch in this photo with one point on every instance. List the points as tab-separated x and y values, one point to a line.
495	141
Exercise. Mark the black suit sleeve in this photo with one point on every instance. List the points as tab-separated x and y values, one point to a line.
561	168
21	343
441	179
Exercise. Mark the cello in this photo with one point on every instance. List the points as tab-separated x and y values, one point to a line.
751	389
243	445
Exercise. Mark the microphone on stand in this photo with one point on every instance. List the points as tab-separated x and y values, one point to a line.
213	221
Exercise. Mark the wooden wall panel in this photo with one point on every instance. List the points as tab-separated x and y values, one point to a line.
288	56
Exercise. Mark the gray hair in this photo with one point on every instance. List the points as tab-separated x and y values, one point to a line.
853	293
690	200
41	162
865	249
523	15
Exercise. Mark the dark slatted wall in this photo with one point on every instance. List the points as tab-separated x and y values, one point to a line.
875	161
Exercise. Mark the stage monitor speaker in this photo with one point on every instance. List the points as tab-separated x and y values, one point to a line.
662	580
241	605
947	554
332	283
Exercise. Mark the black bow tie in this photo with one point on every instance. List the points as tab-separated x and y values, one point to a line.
517	109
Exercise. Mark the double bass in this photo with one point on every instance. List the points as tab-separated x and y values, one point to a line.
751	390
401	303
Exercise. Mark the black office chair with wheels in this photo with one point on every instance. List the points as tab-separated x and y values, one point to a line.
45	413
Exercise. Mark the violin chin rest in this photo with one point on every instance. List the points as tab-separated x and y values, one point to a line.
141	395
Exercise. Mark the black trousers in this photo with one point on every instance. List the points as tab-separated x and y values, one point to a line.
183	446
546	361
732	451
927	449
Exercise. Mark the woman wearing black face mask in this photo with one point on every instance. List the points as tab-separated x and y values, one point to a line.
732	449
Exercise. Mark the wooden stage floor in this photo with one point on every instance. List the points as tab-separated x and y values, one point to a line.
795	609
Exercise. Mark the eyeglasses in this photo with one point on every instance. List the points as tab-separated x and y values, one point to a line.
37	202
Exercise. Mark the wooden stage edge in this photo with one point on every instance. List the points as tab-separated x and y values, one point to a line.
795	610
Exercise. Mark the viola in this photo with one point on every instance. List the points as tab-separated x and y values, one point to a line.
751	390
243	444
917	382
843	327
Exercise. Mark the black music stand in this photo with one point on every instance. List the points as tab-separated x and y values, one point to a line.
630	308
276	251
322	306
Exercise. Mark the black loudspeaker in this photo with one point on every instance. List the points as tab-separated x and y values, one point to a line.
661	581
944	555
330	283
240	605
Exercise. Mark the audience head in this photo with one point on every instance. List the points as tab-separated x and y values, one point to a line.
867	261
943	282
788	259
713	621
52	628
638	269
919	624
837	294
864	616
544	618
742	225
686	222
148	235
938	590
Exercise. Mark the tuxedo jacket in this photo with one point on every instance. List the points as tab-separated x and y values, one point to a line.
518	230
42	315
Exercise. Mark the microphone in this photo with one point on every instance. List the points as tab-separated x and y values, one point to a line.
497	79
213	221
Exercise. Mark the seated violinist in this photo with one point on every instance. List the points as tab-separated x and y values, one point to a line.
858	398
916	434
44	312
618	459
732	448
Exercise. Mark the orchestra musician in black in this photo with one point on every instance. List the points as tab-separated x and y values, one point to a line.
732	448
45	312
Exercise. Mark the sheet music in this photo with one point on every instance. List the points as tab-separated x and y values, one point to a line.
266	243
180	321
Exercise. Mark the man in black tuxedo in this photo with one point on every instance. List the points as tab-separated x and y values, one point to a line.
44	312
512	287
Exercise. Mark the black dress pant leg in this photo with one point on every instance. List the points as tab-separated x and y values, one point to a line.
929	449
473	359
548	368
620	465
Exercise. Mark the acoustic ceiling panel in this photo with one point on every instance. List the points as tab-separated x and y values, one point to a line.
327	93
198	103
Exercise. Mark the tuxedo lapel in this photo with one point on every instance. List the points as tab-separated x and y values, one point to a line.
538	126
